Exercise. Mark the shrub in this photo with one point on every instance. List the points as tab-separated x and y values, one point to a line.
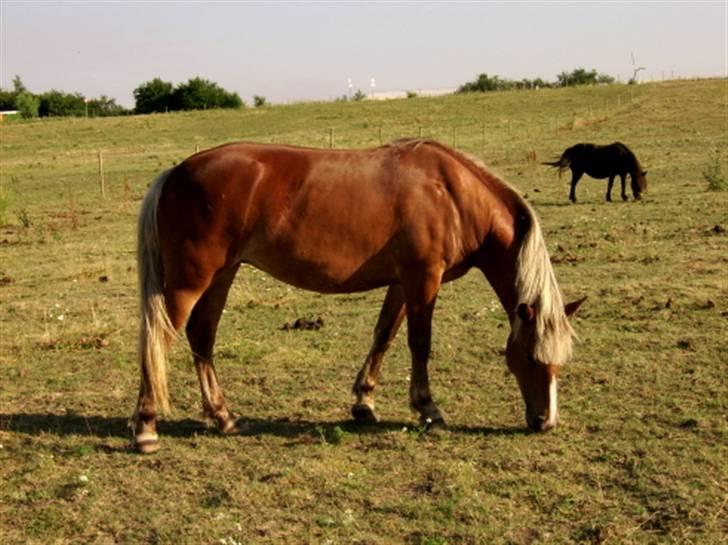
28	105
259	101
714	175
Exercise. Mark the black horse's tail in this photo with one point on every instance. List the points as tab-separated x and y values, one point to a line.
562	162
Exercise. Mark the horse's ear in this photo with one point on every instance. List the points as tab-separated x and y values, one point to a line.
571	308
526	313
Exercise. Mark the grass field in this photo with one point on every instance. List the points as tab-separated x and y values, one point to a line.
640	455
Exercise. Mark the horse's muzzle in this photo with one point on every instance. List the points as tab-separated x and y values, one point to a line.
540	423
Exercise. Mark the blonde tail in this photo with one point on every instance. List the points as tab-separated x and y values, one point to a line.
155	328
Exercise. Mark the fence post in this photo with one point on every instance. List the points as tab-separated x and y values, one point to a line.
102	183
380	135
331	137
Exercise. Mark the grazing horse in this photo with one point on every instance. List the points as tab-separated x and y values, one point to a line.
409	216
602	162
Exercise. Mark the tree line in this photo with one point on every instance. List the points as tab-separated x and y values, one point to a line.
201	94
578	76
152	96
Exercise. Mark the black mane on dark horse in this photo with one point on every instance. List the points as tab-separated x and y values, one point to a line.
602	162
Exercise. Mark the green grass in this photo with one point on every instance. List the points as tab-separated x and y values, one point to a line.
640	456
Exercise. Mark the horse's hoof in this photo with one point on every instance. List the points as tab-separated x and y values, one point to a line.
433	425
146	443
229	426
364	414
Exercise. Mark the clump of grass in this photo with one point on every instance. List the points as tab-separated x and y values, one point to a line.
3	210
713	174
24	218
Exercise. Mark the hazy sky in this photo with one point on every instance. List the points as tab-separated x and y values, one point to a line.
289	51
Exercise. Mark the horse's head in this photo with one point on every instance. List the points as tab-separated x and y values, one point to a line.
639	183
536	379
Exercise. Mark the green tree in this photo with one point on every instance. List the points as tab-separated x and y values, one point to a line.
57	103
153	96
7	100
581	76
202	94
28	105
18	87
484	83
104	107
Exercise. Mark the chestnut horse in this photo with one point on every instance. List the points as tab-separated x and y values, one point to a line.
409	215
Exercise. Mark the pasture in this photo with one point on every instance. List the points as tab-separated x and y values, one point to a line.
640	454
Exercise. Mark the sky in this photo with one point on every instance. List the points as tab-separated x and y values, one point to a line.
293	51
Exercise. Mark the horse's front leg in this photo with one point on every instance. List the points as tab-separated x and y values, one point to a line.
390	318
420	298
201	330
623	179
575	177
609	188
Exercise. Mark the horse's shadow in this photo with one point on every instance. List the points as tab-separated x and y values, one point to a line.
62	425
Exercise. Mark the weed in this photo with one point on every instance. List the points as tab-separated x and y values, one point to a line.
713	174
3	210
23	218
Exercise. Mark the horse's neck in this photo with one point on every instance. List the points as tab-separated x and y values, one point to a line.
498	259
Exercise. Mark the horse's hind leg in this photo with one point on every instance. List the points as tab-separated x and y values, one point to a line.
390	318
609	188
144	420
201	329
575	177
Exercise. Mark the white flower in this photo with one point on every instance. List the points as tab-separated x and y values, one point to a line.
61	317
83	478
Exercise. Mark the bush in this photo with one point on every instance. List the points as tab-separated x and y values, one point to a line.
58	103
259	101
28	105
714	175
581	76
105	107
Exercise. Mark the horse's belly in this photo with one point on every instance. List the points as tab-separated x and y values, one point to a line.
313	271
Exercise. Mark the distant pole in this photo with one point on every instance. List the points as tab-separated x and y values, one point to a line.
197	148
102	182
420	131
372	84
331	137
380	135
85	103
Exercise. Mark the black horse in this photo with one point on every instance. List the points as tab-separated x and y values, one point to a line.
602	162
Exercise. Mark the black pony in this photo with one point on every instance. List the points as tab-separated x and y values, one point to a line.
602	162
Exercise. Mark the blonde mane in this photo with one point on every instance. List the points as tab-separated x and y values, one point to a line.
535	282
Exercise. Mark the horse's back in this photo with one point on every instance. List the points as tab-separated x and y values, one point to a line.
326	220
